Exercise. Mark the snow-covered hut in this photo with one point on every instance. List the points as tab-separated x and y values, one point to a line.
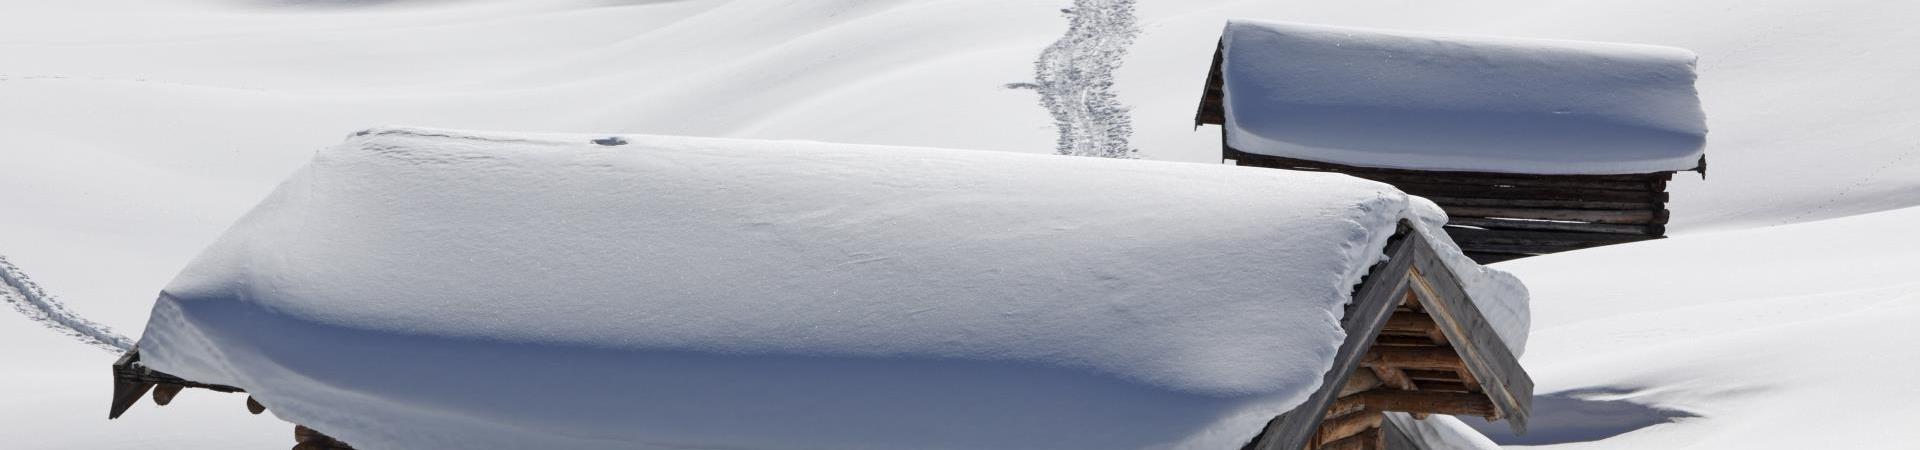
1532	146
428	289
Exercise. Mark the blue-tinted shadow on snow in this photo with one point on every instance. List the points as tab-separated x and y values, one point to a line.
1582	415
391	386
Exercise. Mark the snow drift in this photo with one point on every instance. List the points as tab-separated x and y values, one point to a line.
1425	101
438	289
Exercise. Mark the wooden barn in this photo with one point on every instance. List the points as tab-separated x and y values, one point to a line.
1329	319
1416	344
1531	146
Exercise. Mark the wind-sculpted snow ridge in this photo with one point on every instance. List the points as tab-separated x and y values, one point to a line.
33	302
1075	79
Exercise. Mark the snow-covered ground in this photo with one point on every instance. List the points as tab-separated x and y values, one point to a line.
132	132
1777	337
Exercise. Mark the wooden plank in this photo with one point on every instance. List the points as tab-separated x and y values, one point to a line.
1490	258
1404	341
1450	403
1344	406
1538	203
1537	192
1348	426
1301	164
1488	358
1412	322
1413	358
1451	386
1467	236
1528	249
1446	375
1365	440
1643	183
163	394
1541	225
132	381
1378	295
1360	381
1212	108
1582	215
125	395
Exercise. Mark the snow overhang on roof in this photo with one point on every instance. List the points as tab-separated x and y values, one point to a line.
427	288
1391	99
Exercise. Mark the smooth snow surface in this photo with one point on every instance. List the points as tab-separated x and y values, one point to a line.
436	289
1750	339
1426	101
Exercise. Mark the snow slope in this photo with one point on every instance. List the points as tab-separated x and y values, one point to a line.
133	131
1778	337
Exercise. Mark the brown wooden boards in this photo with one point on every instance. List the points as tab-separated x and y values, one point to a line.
131	381
1451	403
1499	216
1213	95
1487	357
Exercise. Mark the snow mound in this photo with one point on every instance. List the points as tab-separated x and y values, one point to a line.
1440	102
439	289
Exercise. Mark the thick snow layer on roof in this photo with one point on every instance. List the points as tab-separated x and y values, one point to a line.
1441	102
439	289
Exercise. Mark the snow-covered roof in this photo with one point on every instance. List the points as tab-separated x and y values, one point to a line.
1403	100
419	288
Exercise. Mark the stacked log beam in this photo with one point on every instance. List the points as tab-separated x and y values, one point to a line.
1502	216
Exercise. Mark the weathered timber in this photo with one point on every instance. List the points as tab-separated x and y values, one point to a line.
1281	162
1655	182
163	394
1454	386
1584	215
1342	408
1368	439
1628	204
1347	426
131	381
1458	404
1213	95
1413	322
1495	367
1491	257
1379	293
1489	191
1463	236
1544	225
1415	358
1525	249
1533	203
1404	341
1360	381
1433	375
1466	378
1391	377
309	438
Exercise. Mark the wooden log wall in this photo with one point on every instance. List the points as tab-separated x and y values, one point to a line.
1497	217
